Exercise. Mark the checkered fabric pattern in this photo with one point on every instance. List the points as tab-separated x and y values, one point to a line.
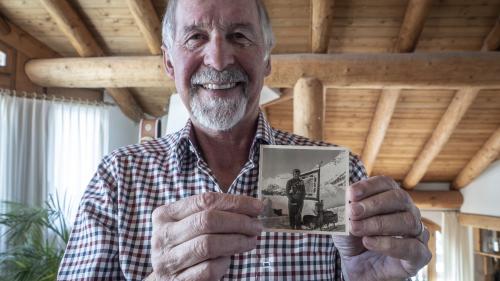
111	235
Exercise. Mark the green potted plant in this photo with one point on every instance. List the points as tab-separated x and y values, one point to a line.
36	239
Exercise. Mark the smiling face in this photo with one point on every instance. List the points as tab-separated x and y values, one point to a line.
218	61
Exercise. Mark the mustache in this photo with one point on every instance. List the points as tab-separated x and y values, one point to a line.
208	75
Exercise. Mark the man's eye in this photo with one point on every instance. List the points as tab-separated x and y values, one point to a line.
196	37
238	36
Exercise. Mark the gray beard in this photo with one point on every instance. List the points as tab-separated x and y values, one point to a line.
218	113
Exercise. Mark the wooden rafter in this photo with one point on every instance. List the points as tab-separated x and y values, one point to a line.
84	43
148	22
413	24
322	15
449	121
416	70
435	200
492	41
480	161
15	37
383	114
462	100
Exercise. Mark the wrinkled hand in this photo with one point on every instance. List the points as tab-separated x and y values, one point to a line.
194	238
379	211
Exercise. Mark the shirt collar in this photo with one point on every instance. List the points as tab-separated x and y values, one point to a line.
264	135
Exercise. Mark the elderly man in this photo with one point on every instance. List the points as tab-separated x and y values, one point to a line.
183	207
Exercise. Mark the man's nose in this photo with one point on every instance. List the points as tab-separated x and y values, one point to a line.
218	53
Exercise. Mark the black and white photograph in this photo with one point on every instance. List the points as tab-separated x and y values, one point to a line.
304	188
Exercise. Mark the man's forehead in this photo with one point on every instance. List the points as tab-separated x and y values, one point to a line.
209	13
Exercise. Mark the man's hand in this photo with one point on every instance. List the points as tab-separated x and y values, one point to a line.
387	241
194	238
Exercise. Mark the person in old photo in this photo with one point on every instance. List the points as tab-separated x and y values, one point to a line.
296	193
184	206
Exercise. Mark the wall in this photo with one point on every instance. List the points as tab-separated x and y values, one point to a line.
122	130
482	195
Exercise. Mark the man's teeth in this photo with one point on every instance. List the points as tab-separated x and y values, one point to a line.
219	86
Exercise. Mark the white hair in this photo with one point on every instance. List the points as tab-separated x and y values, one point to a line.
168	27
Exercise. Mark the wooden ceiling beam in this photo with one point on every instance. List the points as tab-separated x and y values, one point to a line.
22	41
492	41
379	125
413	24
479	162
437	200
441	134
376	71
85	44
148	22
322	15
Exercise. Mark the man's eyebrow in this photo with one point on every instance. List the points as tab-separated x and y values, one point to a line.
233	26
242	25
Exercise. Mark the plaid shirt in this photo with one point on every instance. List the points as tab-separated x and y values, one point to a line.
111	235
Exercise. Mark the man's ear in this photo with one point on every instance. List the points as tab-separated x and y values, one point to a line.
169	68
268	66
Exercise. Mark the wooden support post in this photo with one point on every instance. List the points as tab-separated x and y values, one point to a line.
436	200
308	108
432	228
492	41
85	44
417	70
449	121
148	22
487	154
322	15
413	24
383	114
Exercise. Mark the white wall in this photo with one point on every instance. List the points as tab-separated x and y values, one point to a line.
122	130
482	196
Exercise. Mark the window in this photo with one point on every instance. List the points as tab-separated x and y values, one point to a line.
3	59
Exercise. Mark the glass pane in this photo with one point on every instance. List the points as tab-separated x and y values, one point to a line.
3	59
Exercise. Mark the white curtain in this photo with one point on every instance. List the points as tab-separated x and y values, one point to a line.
458	255
49	147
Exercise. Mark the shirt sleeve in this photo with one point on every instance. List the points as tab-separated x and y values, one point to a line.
92	250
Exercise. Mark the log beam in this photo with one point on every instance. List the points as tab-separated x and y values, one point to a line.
437	200
17	38
380	123
449	121
322	15
487	154
413	24
417	70
85	44
148	22
492	41
308	101
479	221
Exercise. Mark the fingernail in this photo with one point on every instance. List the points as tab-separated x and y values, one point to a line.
257	225
357	209
258	205
370	241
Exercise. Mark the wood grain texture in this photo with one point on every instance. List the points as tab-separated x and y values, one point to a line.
485	156
413	24
437	200
381	119
322	15
492	41
308	108
148	22
418	70
459	105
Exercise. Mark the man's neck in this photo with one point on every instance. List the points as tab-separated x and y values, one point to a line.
226	151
